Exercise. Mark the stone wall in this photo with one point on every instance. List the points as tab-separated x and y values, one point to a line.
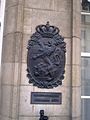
21	18
0	93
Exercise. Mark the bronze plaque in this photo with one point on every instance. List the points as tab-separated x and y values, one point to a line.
46	98
46	57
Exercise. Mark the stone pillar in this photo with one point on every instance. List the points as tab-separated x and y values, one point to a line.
11	59
21	18
76	58
0	93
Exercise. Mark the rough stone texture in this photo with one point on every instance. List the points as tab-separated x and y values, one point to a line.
5	118
76	108
12	71
59	19
10	20
14	107
68	51
24	78
26	37
76	75
6	101
12	52
7	78
0	93
77	6
75	43
64	5
28	118
54	110
76	49
50	118
27	20
77	118
11	60
9	101
76	24
40	4
11	3
8	54
13	19
67	77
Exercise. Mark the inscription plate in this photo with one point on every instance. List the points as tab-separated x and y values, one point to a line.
46	98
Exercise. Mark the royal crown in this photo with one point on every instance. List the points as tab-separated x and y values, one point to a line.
47	30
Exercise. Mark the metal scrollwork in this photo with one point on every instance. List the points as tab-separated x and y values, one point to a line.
46	57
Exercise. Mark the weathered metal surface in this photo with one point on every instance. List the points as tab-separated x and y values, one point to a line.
46	98
46	57
42	116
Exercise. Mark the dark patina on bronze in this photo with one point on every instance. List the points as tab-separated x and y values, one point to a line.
42	116
46	98
46	57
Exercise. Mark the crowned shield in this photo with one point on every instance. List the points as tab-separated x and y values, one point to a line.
46	57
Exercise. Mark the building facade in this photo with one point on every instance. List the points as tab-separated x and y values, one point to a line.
85	58
21	18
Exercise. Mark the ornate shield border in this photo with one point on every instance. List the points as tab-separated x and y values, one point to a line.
48	32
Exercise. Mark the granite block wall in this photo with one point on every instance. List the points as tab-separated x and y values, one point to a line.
21	18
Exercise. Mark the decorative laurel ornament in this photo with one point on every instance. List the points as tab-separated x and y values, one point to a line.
46	57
